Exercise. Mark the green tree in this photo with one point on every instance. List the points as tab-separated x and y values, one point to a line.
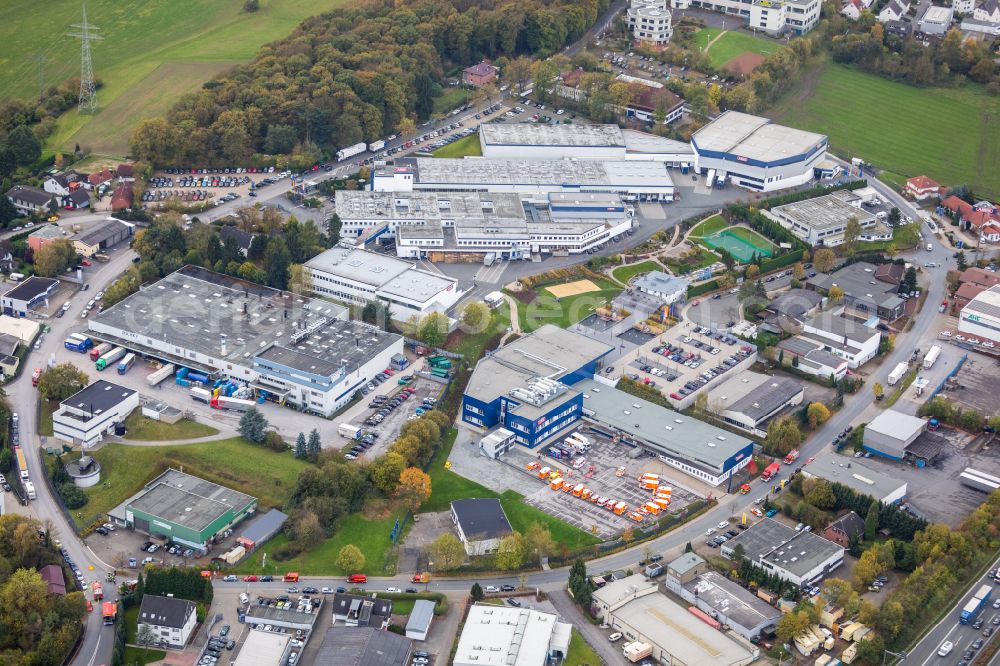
313	446
414	487
475	317
384	472
253	426
821	495
7	212
433	329
24	145
852	231
835	294
538	542
350	559
476	592
446	552
61	381
300	447
579	583
817	414
791	625
910	279
960	261
510	552
277	261
871	520
54	257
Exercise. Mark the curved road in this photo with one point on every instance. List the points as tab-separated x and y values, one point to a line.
96	648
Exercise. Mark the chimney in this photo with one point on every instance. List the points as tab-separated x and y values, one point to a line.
222	344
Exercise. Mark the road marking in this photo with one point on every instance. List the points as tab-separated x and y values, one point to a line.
93	657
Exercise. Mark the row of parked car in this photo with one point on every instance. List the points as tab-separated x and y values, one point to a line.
386	405
163	195
376	380
727	364
222	170
73	566
454	137
198	181
214	648
361	445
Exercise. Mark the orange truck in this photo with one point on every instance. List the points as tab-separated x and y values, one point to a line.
532	466
291	577
620	508
543	473
578	490
36	376
556	483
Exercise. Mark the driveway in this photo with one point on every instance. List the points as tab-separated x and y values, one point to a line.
598	638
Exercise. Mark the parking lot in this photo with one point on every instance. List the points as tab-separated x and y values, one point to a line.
610	472
217	185
682	362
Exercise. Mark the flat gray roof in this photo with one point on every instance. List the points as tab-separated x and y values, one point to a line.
735	602
754	137
98	397
362	646
543	134
642	142
897	425
825	212
101	232
853	473
858	281
421	615
554	173
660	282
987	303
686	562
347	344
262	648
424	205
188	500
384	272
663	429
192	308
681	634
795	552
753	394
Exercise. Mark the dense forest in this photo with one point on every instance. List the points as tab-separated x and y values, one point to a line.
355	74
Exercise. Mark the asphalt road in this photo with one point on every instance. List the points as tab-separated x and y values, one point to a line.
23	399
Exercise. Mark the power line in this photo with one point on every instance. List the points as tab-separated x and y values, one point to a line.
88	91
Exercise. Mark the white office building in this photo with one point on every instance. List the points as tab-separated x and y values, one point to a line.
356	276
170	620
536	141
754	153
823	220
774	17
981	317
797	556
638	179
852	341
84	418
650	22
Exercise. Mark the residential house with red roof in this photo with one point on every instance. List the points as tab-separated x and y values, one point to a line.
983	216
126	173
480	74
98	178
122	198
922	187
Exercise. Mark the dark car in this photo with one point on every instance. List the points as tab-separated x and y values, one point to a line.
310	590
266	579
514	602
507	588
411	590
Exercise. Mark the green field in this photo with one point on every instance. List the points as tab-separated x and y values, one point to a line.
731	44
138	39
709	226
951	135
449	99
580	653
464	147
267	475
547	309
141	429
626	273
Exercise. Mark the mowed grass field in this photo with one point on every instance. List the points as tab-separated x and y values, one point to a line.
464	147
951	135
731	44
139	37
564	312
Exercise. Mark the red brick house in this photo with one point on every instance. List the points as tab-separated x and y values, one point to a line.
845	529
965	293
479	75
979	276
922	187
122	198
984	217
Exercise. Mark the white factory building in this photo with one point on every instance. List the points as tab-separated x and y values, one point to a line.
981	317
537	141
754	153
823	220
280	346
853	473
633	180
356	276
771	16
467	225
797	556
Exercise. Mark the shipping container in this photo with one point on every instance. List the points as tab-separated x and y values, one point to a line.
704	617
200	395
351	151
155	378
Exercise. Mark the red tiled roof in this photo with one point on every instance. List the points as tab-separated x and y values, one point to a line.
98	177
976	275
52	574
968	212
483	68
572	77
647	99
967	291
126	170
922	183
122	198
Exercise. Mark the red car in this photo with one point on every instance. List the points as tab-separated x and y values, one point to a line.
250	579
86	262
675	396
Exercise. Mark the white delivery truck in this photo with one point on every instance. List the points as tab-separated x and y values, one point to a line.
376	145
897	374
351	151
932	355
349	431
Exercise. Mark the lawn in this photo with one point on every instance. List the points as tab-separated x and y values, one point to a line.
564	312
142	429
267	475
709	226
963	148
705	258
451	97
447	485
470	345
733	44
45	422
137	656
138	39
370	535
467	146
580	653
904	237
705	35
626	273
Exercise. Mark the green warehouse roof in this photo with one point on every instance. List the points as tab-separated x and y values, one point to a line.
188	501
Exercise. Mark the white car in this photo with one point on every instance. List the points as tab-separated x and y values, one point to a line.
996	604
327	590
615	637
945	334
945	649
710	531
492	588
393	589
723	525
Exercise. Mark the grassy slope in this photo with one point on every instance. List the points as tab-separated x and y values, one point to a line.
465	146
950	135
710	226
265	474
138	38
705	35
450	98
734	44
626	273
546	309
141	429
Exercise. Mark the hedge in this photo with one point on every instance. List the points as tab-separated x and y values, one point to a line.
703	288
787	259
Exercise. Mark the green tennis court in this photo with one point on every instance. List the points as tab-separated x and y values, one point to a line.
740	242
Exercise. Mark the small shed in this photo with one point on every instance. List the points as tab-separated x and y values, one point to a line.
420	620
262	529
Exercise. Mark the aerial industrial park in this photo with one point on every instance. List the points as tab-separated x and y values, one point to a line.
569	343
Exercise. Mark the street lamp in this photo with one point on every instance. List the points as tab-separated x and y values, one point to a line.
901	655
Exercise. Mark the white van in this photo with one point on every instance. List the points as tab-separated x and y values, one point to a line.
244	599
930	248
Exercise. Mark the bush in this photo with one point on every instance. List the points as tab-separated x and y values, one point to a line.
72	497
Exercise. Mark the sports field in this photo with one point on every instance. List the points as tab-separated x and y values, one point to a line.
731	44
951	135
138	39
572	288
740	242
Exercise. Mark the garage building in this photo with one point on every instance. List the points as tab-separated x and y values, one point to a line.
263	648
363	646
891	432
84	418
20	300
184	509
853	473
754	153
102	236
797	556
749	400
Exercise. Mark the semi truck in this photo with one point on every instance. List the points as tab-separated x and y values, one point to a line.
235	404
932	355
975	604
29	489
98	590
376	145
897	373
78	343
349	431
126	363
109	611
792	456
22	462
99	351
155	378
351	151
109	358
199	394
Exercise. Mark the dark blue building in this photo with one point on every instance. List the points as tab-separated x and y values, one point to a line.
527	386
